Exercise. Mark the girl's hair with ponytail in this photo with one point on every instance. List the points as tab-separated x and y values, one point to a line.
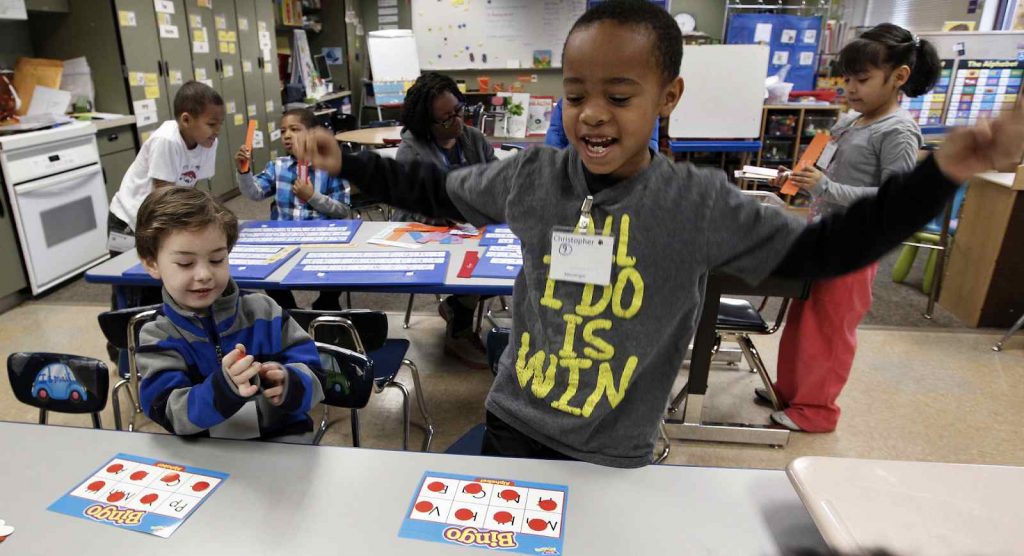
888	47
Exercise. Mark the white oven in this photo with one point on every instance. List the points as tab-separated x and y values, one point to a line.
55	185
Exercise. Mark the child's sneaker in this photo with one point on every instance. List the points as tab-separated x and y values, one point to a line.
781	418
467	348
762	397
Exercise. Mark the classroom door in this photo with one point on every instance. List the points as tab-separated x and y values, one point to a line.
205	64
232	88
271	81
248	48
174	46
143	65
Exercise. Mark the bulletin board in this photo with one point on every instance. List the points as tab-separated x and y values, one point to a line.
737	95
793	40
496	34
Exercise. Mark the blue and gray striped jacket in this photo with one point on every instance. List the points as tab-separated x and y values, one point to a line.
186	391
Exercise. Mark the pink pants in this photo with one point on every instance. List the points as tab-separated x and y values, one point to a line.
818	345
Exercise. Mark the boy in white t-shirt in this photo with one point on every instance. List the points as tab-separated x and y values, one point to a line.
179	152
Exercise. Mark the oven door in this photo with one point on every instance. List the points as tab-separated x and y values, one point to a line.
62	224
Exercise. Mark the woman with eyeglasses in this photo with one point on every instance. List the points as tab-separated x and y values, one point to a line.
434	131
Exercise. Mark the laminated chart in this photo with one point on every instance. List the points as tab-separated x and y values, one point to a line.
248	262
983	89
499	261
927	108
298	231
498	235
376	268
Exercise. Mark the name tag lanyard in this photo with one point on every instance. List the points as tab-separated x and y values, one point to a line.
580	256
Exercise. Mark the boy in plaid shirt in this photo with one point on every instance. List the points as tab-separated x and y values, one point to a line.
319	197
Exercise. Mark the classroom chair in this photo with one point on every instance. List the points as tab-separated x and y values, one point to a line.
737	321
1013	330
59	382
366	332
121	328
347	381
937	237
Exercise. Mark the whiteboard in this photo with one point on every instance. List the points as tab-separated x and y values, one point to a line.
393	55
493	34
723	92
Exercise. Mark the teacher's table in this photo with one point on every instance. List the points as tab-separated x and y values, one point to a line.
292	499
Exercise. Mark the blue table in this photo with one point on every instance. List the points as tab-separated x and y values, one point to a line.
113	270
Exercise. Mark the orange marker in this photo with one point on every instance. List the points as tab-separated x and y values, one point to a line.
809	157
249	135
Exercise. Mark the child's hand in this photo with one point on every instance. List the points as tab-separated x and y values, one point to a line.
990	145
807	179
272	377
303	189
321	148
241	368
242	157
781	179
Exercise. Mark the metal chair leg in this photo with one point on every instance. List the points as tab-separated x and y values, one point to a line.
504	303
668	445
96	424
355	428
754	358
678	400
406	414
42	416
319	436
479	317
408	311
1013	330
115	402
421	402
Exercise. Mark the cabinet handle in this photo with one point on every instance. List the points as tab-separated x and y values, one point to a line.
167	69
259	62
112	137
160	68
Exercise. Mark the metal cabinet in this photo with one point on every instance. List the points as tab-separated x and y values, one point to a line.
12	269
155	69
117	152
252	77
271	81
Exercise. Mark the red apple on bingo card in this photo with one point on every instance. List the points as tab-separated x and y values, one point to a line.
503	517
537	524
115	468
171	478
95	486
464	514
116	496
200	486
473	488
437	486
509	495
149	498
547	504
424	506
138	475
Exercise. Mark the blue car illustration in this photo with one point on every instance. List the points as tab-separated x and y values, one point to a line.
56	382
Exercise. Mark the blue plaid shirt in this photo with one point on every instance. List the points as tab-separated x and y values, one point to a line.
331	197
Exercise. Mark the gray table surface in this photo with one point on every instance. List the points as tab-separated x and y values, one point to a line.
111	269
288	499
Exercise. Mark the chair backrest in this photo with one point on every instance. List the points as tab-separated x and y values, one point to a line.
114	324
372	327
59	382
347	376
382	123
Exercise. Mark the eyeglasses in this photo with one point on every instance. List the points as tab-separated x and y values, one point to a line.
448	122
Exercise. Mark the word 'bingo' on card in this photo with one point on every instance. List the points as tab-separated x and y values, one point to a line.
496	514
140	494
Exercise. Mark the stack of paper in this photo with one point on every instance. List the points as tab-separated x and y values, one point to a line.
756	173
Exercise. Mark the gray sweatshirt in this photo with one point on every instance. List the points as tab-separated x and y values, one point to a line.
589	369
865	156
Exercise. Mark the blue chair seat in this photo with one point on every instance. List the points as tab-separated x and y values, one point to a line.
740	315
388	360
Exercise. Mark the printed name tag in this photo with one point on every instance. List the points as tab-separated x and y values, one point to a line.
581	258
826	155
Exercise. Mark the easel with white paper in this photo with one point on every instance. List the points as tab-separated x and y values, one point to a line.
394	64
